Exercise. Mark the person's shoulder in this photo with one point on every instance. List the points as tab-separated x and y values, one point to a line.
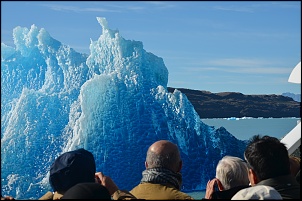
47	196
123	195
176	193
159	191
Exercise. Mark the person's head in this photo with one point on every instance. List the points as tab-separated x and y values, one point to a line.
266	157
71	168
231	172
87	191
164	154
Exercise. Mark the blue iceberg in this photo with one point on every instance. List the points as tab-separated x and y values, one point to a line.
113	102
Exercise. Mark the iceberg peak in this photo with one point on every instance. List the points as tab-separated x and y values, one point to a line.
103	22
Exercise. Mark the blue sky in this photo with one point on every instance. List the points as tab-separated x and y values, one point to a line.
249	47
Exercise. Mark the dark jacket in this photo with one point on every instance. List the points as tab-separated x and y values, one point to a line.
286	185
227	194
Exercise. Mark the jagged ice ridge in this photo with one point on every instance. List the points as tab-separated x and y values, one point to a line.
113	102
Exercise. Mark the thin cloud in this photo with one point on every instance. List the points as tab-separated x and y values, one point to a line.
256	35
255	7
245	66
124	7
234	9
239	62
258	70
160	4
250	70
286	5
147	6
112	8
57	7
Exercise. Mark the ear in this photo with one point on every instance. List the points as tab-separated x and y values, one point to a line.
220	186
253	177
146	164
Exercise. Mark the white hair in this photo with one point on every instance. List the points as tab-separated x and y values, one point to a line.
231	172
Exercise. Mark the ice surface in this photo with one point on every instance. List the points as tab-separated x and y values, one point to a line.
113	102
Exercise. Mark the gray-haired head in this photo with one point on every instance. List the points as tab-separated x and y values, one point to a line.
231	172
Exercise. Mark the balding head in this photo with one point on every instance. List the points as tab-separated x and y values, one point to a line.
164	154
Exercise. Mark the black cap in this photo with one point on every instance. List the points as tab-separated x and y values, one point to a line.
72	168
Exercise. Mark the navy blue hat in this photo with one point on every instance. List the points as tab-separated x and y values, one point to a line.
72	168
87	191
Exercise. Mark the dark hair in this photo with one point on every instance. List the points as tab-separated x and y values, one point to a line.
267	156
71	168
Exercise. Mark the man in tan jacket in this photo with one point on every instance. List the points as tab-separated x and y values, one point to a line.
162	178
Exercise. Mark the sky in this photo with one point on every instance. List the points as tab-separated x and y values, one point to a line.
249	47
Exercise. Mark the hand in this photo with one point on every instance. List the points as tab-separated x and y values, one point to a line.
106	181
7	198
211	187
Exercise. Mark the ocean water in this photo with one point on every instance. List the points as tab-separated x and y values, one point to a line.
197	195
245	128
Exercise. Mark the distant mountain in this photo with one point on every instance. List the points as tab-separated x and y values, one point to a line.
233	104
296	97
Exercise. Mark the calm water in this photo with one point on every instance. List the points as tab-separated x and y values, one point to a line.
243	129
197	195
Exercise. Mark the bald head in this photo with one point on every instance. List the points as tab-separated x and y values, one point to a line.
164	154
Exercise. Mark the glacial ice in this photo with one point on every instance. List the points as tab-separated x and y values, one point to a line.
113	102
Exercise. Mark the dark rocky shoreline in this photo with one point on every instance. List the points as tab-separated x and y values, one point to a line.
233	104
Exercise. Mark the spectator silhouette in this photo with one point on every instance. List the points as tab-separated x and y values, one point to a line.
162	178
87	191
231	176
268	162
69	169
